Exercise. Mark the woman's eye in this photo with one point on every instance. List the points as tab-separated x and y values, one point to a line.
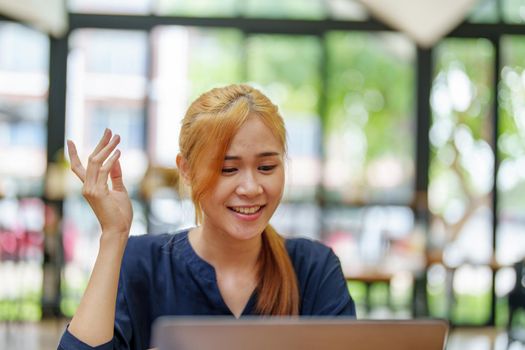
228	170
267	167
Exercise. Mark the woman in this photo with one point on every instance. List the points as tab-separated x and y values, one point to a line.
232	152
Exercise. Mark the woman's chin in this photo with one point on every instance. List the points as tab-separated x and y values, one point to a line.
247	234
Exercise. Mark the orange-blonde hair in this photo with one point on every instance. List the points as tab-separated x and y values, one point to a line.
208	128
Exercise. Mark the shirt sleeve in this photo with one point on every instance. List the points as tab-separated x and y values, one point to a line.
332	297
69	341
122	337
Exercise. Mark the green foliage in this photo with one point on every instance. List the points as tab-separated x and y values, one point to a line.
502	312
512	11
357	291
310	9
27	308
273	63
437	301
513	51
472	309
197	8
215	60
68	306
474	57
461	102
363	72
379	294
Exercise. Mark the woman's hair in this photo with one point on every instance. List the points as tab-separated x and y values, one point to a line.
208	128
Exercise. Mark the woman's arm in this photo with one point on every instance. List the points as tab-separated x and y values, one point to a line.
93	322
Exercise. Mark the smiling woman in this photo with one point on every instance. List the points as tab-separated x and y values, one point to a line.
238	194
232	151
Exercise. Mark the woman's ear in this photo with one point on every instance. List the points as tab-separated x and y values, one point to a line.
184	171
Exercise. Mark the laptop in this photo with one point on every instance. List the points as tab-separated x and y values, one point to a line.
183	333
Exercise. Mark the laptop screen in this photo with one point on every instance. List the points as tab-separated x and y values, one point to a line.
198	333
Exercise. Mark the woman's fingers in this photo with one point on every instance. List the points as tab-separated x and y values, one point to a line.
106	136
76	165
92	169
99	166
116	177
96	161
107	168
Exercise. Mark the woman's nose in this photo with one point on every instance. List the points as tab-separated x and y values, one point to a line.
249	186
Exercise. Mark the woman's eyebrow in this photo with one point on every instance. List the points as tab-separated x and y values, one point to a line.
260	155
268	154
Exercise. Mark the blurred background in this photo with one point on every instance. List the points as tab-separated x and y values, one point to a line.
407	159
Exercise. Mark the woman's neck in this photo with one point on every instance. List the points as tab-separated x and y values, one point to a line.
223	251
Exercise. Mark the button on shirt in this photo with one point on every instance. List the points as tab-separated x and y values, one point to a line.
162	275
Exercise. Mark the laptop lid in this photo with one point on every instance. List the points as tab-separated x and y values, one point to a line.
176	333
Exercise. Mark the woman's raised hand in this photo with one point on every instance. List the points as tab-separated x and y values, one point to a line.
111	206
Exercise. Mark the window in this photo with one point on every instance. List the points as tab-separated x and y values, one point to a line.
111	6
461	171
197	8
369	142
510	238
24	86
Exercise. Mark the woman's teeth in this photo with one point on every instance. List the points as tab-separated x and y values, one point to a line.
246	210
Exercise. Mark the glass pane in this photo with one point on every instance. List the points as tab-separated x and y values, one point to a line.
21	257
197	8
187	62
377	243
347	9
168	213
370	94
485	11
511	150
513	11
298	220
438	290
472	287
461	174
294	88
111	6
24	87
311	9
461	168
107	88
462	295
506	282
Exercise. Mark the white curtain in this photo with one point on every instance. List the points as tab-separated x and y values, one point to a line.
47	15
424	21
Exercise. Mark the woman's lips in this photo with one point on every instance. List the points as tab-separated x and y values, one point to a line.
247	213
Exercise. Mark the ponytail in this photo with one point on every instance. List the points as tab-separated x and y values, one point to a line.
278	294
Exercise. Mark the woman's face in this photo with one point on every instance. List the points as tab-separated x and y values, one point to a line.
250	186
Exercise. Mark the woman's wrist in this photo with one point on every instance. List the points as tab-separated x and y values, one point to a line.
114	238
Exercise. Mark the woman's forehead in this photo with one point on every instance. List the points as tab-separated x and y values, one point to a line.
256	138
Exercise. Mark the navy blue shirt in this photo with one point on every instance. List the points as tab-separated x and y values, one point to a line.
162	275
